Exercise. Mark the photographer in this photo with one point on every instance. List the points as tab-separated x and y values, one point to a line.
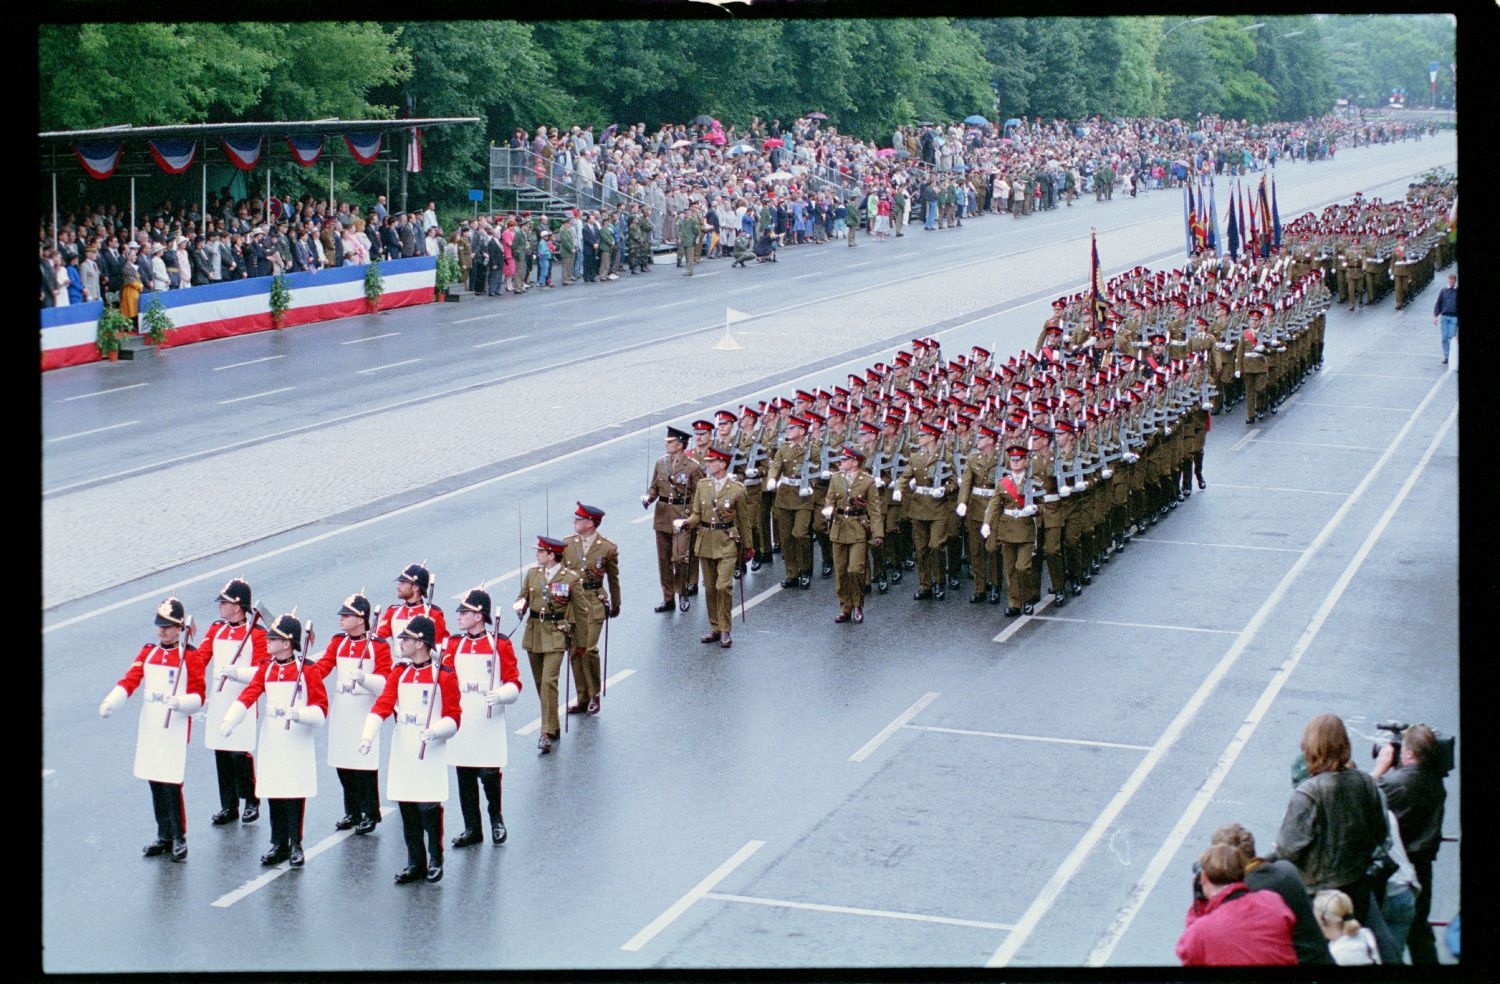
1230	926
1415	794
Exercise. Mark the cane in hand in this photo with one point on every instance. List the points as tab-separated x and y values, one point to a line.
306	647
182	658
436	670
249	631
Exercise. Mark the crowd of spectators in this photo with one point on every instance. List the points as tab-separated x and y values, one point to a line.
769	184
1349	879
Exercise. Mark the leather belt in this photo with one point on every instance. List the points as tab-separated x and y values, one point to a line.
677	500
592	585
544	617
851	512
982	493
718	526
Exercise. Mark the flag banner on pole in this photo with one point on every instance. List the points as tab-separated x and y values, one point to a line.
98	158
1213	220
364	147
1098	310
414	150
1264	203
305	149
1275	215
1187	213
1247	229
173	156
243	152
1234	228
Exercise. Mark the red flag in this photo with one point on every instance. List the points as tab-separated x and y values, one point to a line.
414	150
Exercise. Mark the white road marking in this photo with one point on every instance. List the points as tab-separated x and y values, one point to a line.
96	430
1002	734
570	300
1313	444
1221	546
809	276
501	341
854	266
1356	406
229	899
1365	375
477	317
48	772
117	389
642	519
741	290
1136	625
690	300
695	893
496	580
562	704
773	589
389	334
596	321
1044	900
1143	888
252	396
1021	620
1274	488
848	910
389	365
236	365
894	726
1249	436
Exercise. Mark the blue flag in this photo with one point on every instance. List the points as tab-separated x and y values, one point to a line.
1234	227
1213	221
1275	213
1187	213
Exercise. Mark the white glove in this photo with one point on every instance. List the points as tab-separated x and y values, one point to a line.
112	700
519	605
825	475
506	693
678	524
984	529
895	495
225	728
172	701
645	502
1208	406
278	712
1065	490
441	730
1166	431
293	713
827	512
963	509
1236	374
1132	457
1080	486
879	482
937	492
1107	472
356	675
364	746
232	718
752	473
427	734
805	492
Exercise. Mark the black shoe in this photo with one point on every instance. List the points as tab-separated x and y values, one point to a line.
909	564
179	850
498	832
755	563
156	848
410	874
790	582
1012	612
827	569
434	872
977	598
953	582
665	606
691	590
896	576
1028	609
276	855
295	857
858	615
366	824
711	637
1201	483
251	814
1085	578
593	707
725	641
738	571
684	602
925	594
1059	599
841	617
804	581
544	743
775	548
993	596
345	822
882	584
1076	588
937	592
222	817
468	839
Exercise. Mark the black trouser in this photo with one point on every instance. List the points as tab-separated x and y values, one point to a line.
286	821
417	820
236	779
1419	939
166	803
361	792
470	778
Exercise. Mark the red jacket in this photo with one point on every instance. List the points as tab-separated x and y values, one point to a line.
274	672
158	655
410	612
343	644
406	673
1251	929
254	654
509	670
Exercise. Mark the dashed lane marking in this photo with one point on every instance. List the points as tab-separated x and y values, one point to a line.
389	334
389	365
1041	738
901	720
229	899
96	430
250	362
117	389
254	396
852	911
695	893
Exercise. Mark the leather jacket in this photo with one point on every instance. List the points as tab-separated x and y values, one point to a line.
1331	828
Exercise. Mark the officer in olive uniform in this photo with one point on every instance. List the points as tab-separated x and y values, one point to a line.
791	477
852	507
929	480
721	513
1010	523
975	488
551	601
596	560
1251	367
673	479
690	234
751	454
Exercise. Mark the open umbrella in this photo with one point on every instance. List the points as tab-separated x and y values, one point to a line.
976	120
702	119
886	152
1012	122
775	142
738	149
778	176
817	116
682	143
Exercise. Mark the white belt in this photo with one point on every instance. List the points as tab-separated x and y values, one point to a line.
983	493
928	489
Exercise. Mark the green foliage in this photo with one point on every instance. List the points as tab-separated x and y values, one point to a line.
156	321
281	297
112	324
374	283
448	272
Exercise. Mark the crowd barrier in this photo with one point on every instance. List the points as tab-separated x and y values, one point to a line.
242	306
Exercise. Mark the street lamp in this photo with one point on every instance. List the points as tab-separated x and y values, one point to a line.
1193	20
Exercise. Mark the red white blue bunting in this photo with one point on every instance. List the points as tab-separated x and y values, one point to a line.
364	147
99	159
243	152
173	156
306	150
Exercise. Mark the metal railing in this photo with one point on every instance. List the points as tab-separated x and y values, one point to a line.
520	170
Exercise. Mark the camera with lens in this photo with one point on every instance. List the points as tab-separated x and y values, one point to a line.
1198	883
1390	733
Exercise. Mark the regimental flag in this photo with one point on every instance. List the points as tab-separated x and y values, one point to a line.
1187	213
1247	229
173	156
1234	227
1265	217
414	150
306	149
363	147
1275	214
1213	220
1098	308
98	158
1200	221
243	152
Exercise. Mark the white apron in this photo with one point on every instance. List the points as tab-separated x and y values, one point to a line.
348	706
409	779
480	742
160	752
285	761
240	739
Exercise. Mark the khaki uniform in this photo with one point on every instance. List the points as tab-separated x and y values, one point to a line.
793	511
672	482
595	565
1015	537
857	519
721	515
553	609
976	488
926	486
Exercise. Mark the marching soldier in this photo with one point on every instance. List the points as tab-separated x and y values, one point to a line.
230	662
751	454
975	489
360	663
673	479
1009	521
595	559
1046	467
288	772
423	696
413	586
721	512
852	508
173	689
924	477
550	603
791	477
1251	365
488	680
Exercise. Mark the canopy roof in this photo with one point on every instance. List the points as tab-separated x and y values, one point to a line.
276	128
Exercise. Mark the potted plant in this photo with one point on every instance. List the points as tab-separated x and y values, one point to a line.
112	324
449	278
156	321
374	286
281	299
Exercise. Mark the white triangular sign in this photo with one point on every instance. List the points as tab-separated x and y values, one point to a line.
728	343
